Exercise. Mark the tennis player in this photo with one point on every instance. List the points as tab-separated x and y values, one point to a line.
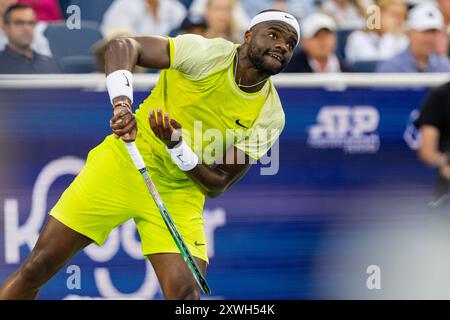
211	84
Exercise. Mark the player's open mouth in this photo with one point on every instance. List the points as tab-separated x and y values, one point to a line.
276	56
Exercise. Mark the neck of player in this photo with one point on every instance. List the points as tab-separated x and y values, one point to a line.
247	77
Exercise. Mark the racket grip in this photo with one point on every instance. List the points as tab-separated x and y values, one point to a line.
135	155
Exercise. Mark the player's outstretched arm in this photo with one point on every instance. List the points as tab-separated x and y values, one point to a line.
214	182
121	55
127	52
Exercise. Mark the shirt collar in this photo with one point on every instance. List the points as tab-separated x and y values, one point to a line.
15	54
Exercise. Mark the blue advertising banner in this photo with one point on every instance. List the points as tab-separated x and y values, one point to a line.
345	162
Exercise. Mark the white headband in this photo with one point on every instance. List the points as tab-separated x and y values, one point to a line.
276	16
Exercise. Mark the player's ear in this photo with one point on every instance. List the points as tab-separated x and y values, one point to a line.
248	36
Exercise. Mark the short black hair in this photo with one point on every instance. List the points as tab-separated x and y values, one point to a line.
14	7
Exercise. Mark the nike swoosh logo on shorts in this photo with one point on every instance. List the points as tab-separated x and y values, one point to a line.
199	244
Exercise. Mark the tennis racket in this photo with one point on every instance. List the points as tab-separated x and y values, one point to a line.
184	250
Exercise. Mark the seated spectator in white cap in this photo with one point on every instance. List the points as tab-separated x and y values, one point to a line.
319	46
381	42
424	24
143	17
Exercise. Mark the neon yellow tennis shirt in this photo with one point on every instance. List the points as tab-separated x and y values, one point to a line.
199	92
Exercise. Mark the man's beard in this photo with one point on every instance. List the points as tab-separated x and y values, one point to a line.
256	57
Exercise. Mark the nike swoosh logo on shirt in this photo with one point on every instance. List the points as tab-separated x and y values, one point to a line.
199	244
239	124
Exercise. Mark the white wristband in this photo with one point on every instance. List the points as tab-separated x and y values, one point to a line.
183	156
120	83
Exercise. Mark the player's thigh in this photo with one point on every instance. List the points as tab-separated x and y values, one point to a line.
187	213
56	244
102	195
175	278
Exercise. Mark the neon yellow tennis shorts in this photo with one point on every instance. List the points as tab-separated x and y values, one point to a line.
110	190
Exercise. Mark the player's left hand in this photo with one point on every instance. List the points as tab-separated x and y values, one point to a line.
165	128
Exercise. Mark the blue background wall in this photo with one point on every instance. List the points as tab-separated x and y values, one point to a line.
278	231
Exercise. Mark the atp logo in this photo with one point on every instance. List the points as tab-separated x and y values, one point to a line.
352	129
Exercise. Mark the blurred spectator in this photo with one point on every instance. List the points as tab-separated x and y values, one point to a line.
424	24
298	8
40	43
434	150
4	4
18	57
220	21
443	42
319	46
380	43
46	10
143	17
193	24
348	14
225	18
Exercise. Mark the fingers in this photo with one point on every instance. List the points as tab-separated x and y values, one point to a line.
119	115
152	121
160	119
123	124
126	129
175	124
131	136
166	123
157	124
163	126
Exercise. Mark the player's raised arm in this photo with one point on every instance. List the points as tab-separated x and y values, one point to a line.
127	52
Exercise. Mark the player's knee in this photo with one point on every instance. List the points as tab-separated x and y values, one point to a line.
36	268
192	294
185	292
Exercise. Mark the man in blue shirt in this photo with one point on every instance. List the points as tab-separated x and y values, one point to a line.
18	57
424	23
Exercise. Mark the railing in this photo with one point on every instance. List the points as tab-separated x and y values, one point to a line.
144	81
